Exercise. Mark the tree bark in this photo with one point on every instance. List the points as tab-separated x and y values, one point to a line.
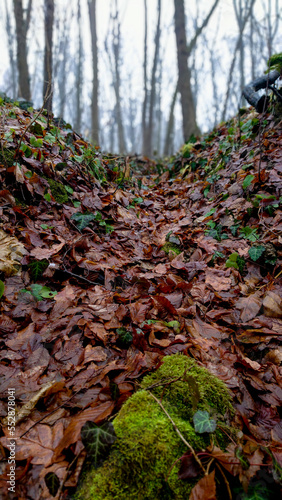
187	104
145	101
79	74
13	63
95	83
148	143
170	124
21	30
48	54
117	80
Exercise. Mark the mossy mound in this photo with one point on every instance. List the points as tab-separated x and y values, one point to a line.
143	461
58	191
171	247
7	157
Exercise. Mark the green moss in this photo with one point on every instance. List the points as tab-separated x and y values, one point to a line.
171	247
143	461
58	191
7	157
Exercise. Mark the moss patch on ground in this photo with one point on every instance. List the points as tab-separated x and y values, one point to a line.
143	461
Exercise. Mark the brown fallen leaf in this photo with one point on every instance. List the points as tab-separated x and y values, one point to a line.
250	307
272	305
205	488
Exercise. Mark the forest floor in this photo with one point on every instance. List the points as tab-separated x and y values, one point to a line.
103	272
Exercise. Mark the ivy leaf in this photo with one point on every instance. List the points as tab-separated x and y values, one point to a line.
256	252
52	482
2	288
248	181
50	138
98	440
37	267
203	422
124	337
82	220
36	143
40	292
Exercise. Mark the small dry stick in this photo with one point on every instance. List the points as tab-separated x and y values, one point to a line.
179	434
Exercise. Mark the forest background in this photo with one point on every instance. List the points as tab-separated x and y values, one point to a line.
110	67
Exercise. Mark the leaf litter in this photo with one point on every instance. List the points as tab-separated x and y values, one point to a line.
101	277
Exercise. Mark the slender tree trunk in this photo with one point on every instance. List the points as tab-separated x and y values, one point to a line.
21	30
13	64
48	54
79	73
170	124
95	84
187	103
145	101
148	146
232	66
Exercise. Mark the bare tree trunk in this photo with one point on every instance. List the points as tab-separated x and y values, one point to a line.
48	54
117	80
187	104
13	64
95	84
145	101
22	25
79	73
232	66
148	146
170	124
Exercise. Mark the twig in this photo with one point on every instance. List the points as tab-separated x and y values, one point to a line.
179	434
226	481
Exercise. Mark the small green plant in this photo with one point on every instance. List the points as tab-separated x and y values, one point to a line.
249	233
256	252
37	268
2	288
215	231
40	292
124	337
234	260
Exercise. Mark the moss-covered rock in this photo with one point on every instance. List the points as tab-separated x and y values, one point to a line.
143	461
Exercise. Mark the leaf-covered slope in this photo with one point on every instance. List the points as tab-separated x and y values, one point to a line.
108	275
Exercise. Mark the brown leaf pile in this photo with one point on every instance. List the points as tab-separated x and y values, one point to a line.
63	354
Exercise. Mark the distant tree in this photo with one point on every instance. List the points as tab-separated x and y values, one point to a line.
145	99
22	25
242	18
12	89
48	54
95	82
184	72
149	127
78	74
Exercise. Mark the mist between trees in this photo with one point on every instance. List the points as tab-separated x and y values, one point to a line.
136	76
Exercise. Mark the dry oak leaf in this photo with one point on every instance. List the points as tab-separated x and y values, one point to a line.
272	305
250	307
217	280
46	253
205	488
11	254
